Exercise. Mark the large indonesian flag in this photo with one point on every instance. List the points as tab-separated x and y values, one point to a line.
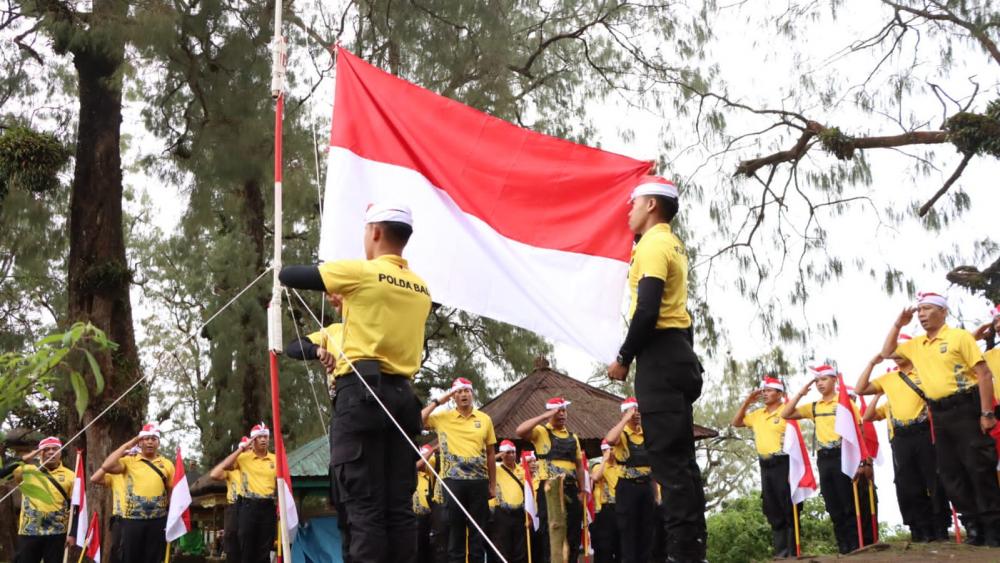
179	513
801	480
852	446
291	523
508	224
79	500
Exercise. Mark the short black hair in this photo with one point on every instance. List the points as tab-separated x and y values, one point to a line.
666	206
396	231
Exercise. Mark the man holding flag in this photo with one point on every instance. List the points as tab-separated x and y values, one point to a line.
179	514
509	533
801	479
668	373
959	389
147	484
635	503
43	530
769	439
558	451
839	457
385	306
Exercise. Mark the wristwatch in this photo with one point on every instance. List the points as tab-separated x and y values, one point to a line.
988	414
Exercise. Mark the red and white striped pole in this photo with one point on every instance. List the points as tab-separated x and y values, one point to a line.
274	336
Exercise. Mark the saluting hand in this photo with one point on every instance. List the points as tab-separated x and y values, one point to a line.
805	389
754	395
905	317
617	372
983	331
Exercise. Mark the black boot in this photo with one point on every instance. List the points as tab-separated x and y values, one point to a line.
991	535
790	542
973	533
940	534
918	534
779	538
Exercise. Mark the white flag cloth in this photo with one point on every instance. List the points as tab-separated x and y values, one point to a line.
801	479
79	500
179	514
852	448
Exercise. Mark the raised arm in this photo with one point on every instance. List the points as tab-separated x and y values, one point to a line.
788	412
426	412
871	411
524	429
742	412
219	471
863	386
113	463
616	431
892	339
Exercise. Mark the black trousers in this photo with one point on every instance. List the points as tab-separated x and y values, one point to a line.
967	461
373	465
574	518
343	522
776	494
424	554
635	513
230	532
604	535
508	534
540	537
143	541
258	526
838	497
667	383
439	533
36	549
921	504
115	529
463	538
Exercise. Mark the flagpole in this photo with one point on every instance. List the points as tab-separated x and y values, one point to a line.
795	521
274	309
857	513
958	530
166	558
527	532
69	522
871	505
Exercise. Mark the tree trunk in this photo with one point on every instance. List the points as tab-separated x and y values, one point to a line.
252	366
99	278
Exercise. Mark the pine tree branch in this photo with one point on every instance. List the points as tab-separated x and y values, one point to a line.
947	185
947	16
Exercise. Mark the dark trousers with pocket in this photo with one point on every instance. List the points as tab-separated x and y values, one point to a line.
604	535
967	461
776	494
439	532
635	513
40	549
838	498
258	523
424	554
922	506
373	464
230	532
540	537
115	529
143	541
509	534
667	383
463	538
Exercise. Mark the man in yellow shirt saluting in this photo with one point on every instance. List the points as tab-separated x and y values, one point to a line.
44	523
257	513
508	531
117	485
234	492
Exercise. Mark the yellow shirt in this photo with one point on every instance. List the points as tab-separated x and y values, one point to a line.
234	486
385	308
420	504
331	339
462	442
146	494
550	469
992	358
50	516
604	489
116	483
661	255
907	406
621	453
258	475
825	420
768	430
944	363
510	494
884	412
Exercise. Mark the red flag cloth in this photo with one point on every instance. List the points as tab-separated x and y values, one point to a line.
503	216
92	542
79	500
868	432
852	446
530	506
285	489
801	479
179	512
588	488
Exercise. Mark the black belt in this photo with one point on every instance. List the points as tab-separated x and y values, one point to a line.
643	480
955	400
771	460
255	501
828	452
370	371
919	427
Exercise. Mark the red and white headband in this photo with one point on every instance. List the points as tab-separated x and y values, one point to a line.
772	383
426	450
824	371
630	403
556	403
49	442
928	298
150	429
507	446
605	446
528	455
259	430
461	383
654	185
382	212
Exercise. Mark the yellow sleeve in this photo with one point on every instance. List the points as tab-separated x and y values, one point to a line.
107	480
433	419
882	412
751	417
621	448
970	352
536	435
877	384
169	472
316	337
578	450
342	276
805	411
491	437
19	470
906	349
653	260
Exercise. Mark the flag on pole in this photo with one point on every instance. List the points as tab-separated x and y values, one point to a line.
92	541
800	474
588	488
868	432
852	447
285	489
179	513
530	506
79	500
508	223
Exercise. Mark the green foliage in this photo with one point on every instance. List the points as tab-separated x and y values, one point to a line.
974	133
30	161
56	358
739	532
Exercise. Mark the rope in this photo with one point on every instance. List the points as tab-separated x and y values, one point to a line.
319	410
409	441
148	373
